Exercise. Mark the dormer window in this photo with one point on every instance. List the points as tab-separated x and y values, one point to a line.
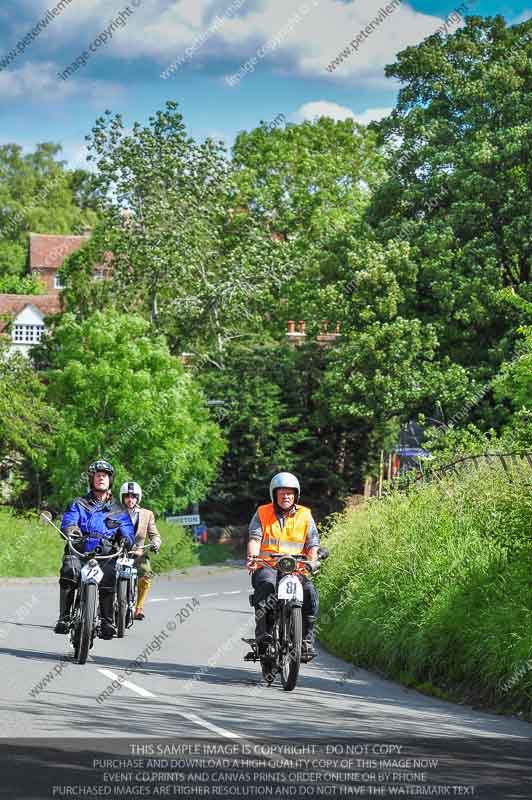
27	334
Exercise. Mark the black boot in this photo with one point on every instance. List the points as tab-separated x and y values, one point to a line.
263	627
107	610
66	598
307	650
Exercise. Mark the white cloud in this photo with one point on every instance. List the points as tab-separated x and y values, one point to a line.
38	82
162	29
324	108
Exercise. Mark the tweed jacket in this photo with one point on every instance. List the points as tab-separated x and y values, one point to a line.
146	526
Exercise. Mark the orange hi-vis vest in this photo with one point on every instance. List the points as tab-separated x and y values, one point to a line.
289	540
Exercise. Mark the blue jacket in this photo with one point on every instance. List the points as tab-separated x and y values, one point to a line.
103	518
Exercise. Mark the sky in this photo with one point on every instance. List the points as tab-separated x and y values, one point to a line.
228	63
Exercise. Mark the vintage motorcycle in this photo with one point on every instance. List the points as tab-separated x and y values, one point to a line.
126	590
283	656
84	620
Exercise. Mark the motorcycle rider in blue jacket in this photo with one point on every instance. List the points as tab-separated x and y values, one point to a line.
97	514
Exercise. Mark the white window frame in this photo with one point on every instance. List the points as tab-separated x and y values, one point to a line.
27	334
57	281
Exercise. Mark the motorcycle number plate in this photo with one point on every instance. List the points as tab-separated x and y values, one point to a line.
125	571
290	588
91	574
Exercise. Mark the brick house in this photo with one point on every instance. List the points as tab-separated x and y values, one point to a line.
25	313
47	253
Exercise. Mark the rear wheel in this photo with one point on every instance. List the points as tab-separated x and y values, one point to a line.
88	616
121	599
292	658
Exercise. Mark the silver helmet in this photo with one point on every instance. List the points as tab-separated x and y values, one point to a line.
130	487
284	480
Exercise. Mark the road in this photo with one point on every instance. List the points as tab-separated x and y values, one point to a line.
186	679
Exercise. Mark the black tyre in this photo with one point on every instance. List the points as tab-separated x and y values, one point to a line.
88	616
121	608
75	626
292	659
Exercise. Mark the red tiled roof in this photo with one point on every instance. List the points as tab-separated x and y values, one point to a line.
49	251
13	304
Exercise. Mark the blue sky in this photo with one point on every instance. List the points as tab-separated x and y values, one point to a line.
292	41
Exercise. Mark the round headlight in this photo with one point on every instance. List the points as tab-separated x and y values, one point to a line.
286	564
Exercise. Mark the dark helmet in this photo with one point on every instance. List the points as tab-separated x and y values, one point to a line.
101	466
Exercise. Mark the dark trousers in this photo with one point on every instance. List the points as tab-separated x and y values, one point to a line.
264	582
69	578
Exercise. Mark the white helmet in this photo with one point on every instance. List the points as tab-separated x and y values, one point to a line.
284	480
130	487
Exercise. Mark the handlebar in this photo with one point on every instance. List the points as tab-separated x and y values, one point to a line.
79	538
93	553
305	560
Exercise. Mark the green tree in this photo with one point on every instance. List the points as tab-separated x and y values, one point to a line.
183	252
27	424
460	178
122	396
37	194
310	185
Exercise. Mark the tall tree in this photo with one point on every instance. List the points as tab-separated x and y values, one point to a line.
122	396
37	194
460	182
27	423
183	252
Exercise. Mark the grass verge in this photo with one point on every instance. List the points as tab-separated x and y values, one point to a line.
32	549
434	588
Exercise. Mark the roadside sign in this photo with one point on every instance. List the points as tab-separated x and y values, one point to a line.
187	519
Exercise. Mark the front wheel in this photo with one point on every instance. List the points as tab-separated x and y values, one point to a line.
121	611
291	659
88	616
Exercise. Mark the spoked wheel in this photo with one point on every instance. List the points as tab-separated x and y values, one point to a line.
86	629
121	599
269	662
75	625
292	658
132	600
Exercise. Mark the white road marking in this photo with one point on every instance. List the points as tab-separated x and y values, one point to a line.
157	599
189	597
210	726
238	591
134	688
191	717
211	594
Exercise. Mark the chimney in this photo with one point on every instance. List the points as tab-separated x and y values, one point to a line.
325	339
295	338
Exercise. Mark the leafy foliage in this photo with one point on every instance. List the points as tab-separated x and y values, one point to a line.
123	397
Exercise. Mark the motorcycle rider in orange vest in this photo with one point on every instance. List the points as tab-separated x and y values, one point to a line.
282	526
